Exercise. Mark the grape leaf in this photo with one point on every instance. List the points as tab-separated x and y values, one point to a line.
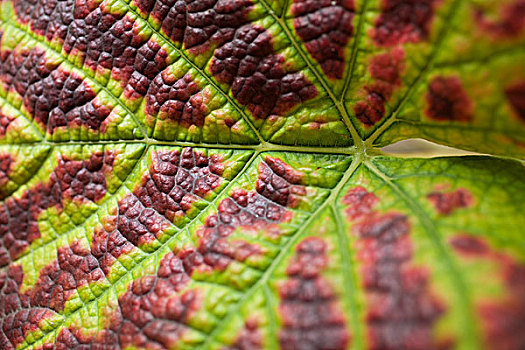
179	174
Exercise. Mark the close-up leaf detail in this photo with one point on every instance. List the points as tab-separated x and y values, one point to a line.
210	174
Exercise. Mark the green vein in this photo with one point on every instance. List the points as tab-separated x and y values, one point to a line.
272	320
351	285
514	50
486	129
468	329
266	147
285	9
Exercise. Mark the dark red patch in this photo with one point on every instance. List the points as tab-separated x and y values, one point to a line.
386	70
503	319
180	100
73	180
447	202
325	27
198	23
311	316
404	21
54	97
5	169
152	313
174	182
108	244
6	160
102	39
16	326
402	310
516	97
73	338
510	25
5	121
75	267
249	337
256	74
153	310
48	18
360	202
110	41
15	316
57	282
277	187
448	101
134	60
469	245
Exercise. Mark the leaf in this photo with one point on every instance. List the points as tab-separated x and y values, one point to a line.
206	174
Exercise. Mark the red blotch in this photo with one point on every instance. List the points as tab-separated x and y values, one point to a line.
516	97
243	250
18	325
310	312
325	27
154	309
54	97
16	318
277	187
279	182
180	100
173	183
108	244
360	202
402	309
249	338
256	74
446	203
6	161
448	101
152	313
511	24
404	21
134	60
386	70
503	319
116	45
5	121
198	23
469	245
72	180
48	18
73	338
103	40
75	267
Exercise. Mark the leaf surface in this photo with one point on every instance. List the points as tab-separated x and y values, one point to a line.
206	174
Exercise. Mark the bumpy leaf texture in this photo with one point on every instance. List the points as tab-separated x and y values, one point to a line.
206	174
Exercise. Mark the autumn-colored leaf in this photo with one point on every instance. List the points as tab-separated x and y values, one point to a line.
208	174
